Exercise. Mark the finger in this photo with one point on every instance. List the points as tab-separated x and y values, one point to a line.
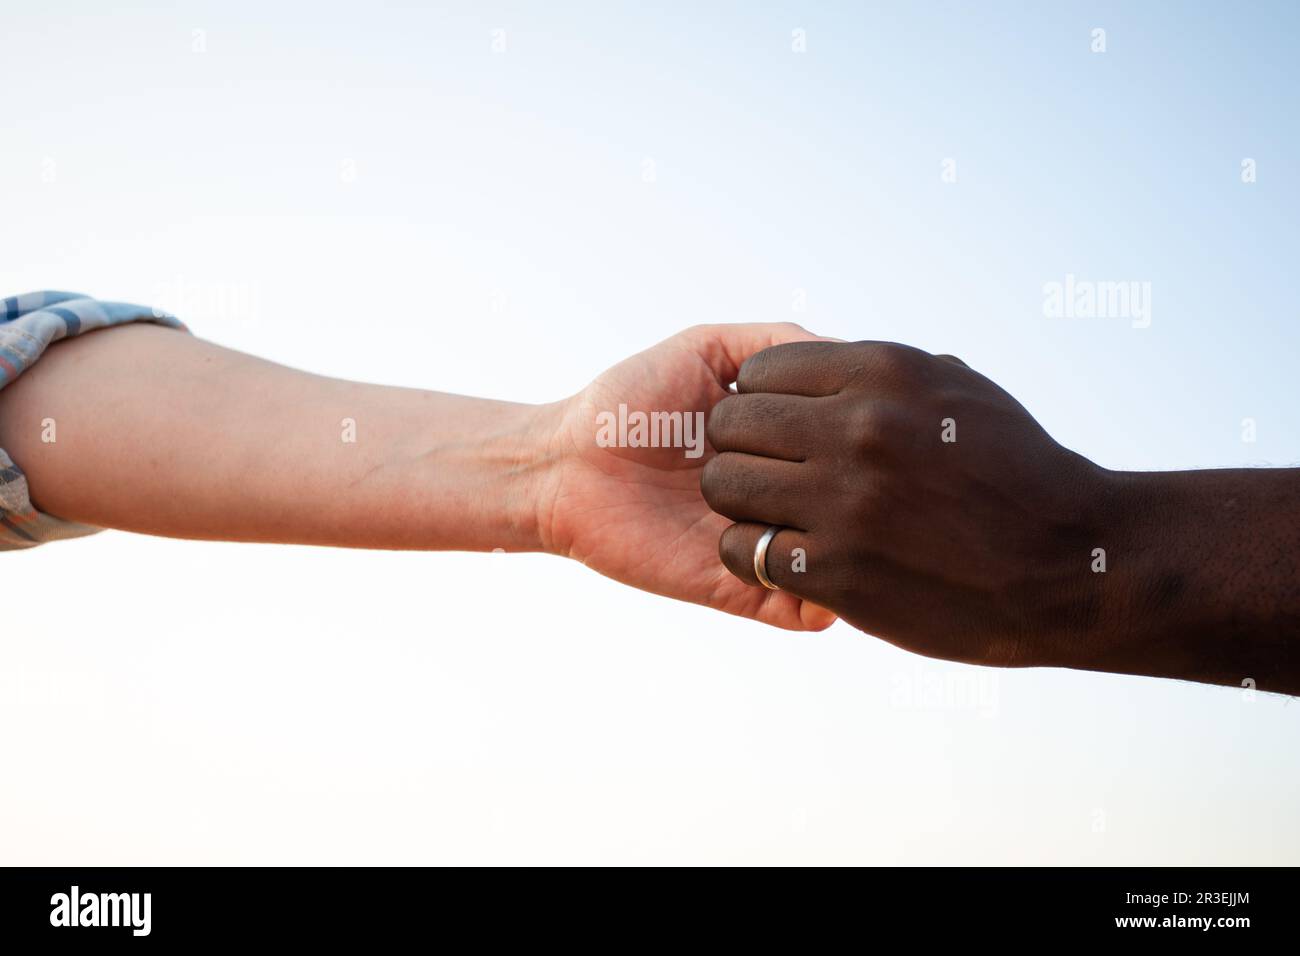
812	369
725	347
774	426
815	617
787	555
777	608
749	488
818	369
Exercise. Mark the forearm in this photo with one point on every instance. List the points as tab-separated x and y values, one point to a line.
162	433
1205	578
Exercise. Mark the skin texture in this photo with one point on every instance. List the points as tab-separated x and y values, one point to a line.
636	514
985	548
163	433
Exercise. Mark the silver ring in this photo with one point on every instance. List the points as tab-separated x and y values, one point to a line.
760	557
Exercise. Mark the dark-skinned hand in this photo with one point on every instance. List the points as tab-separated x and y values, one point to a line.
928	507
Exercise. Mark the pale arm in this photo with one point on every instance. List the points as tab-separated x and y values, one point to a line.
163	433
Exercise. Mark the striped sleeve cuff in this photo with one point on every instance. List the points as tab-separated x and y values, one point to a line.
28	325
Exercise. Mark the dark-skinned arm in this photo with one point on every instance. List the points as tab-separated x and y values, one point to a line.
930	509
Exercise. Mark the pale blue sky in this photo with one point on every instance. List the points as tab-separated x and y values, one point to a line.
382	196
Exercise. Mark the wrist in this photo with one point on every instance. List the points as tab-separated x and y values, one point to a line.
1082	606
454	473
535	463
1175	560
1132	531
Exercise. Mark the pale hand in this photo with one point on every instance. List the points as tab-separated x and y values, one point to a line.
636	514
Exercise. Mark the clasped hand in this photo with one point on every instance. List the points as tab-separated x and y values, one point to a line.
916	499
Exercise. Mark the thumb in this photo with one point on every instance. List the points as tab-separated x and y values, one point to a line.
724	347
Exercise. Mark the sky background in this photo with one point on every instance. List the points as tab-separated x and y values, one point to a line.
371	190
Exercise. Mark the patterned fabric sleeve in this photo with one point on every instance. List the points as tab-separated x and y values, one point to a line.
28	324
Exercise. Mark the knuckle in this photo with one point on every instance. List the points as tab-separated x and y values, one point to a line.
894	362
698	333
870	425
